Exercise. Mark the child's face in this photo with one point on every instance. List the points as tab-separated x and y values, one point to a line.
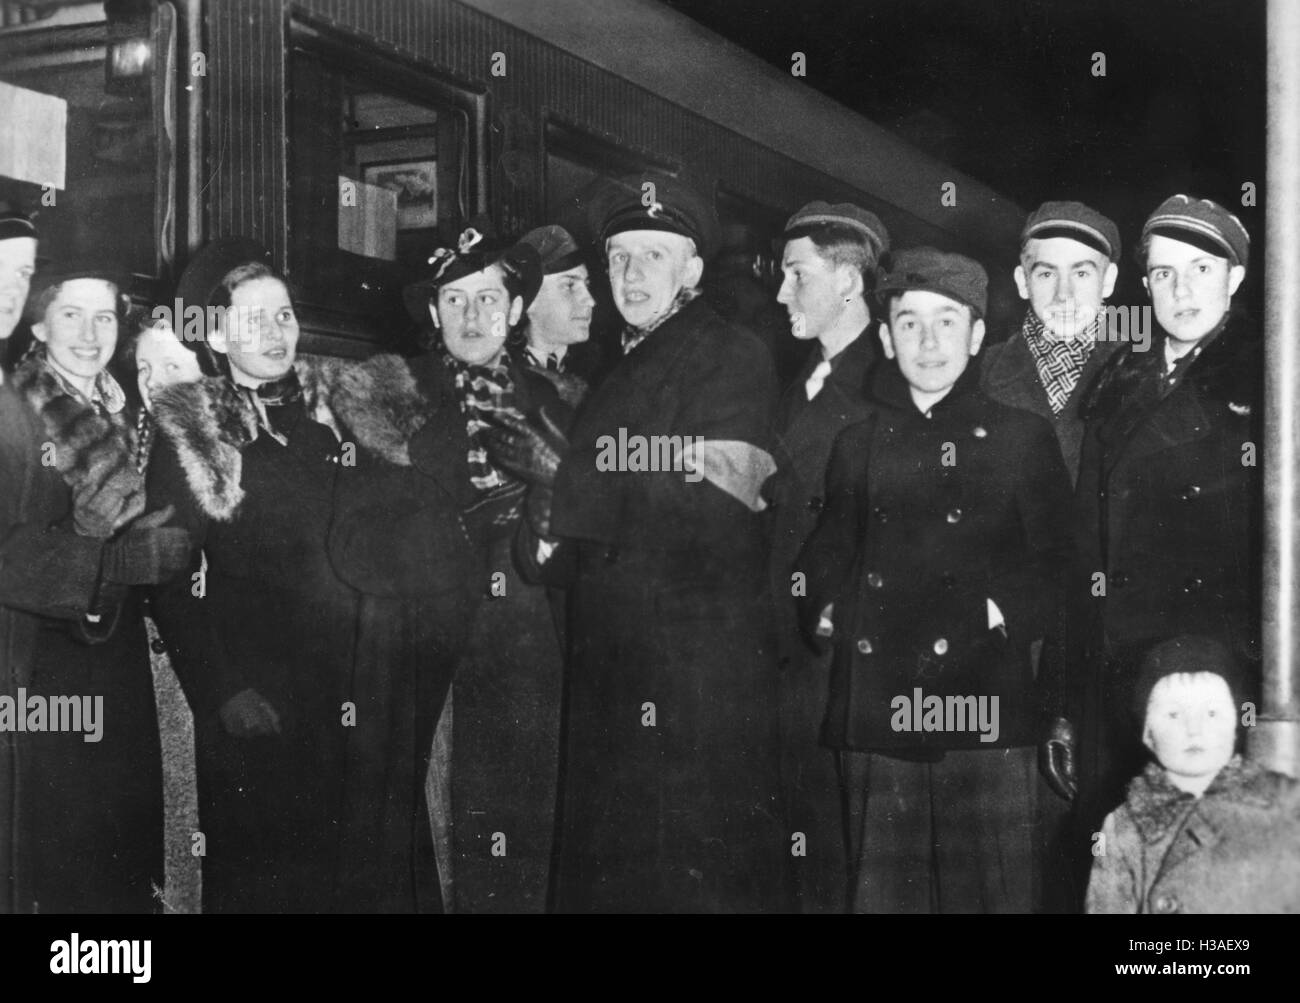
1191	724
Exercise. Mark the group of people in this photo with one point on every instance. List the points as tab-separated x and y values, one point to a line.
468	631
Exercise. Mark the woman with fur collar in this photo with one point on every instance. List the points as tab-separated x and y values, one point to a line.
82	794
1169	494
261	631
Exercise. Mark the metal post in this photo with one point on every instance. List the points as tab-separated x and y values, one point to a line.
1275	741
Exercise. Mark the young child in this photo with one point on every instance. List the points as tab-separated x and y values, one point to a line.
1202	829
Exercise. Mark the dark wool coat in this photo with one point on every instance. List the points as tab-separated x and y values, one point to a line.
1169	508
1009	376
271	615
671	780
81	823
1232	850
505	734
926	519
806	429
1170	492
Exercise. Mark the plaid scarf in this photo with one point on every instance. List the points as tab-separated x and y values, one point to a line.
483	390
1059	361
633	336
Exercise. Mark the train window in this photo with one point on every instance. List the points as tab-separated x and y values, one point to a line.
382	169
115	209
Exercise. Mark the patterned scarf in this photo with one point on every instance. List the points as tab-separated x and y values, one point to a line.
106	397
1059	361
633	336
483	390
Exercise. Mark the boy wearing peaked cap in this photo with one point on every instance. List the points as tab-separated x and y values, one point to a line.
559	318
671	800
829	265
935	565
1169	495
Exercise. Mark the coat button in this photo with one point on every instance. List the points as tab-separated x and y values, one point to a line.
1166	903
611	554
941	646
1193	584
157	646
864	646
980	432
880	514
948	580
814	504
954	515
874	580
1119	579
1190	492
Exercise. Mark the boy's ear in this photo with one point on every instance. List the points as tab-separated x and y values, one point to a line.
433	312
1108	280
976	336
39	332
516	310
1147	740
886	342
1022	282
217	338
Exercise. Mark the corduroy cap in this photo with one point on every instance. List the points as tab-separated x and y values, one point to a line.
1185	653
655	201
1076	221
926	268
555	246
473	253
844	214
1181	217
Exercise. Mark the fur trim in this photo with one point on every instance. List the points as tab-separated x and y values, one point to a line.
92	452
376	401
1228	371
209	422
1156	805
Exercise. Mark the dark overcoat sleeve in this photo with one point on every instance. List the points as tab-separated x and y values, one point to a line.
829	556
207	674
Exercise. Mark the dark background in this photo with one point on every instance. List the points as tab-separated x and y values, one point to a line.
1004	91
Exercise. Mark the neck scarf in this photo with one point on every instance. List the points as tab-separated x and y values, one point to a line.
106	396
481	391
633	336
1059	361
273	402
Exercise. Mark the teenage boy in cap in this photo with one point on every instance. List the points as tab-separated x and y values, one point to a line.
671	792
935	565
560	315
17	266
1169	494
1069	255
830	258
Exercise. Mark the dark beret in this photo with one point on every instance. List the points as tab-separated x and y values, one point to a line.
1200	221
925	268
45	281
1076	221
652	200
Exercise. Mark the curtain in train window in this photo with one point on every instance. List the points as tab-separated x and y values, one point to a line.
379	175
115	209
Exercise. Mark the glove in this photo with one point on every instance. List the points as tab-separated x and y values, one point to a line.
102	510
1056	759
248	714
149	552
528	452
538	509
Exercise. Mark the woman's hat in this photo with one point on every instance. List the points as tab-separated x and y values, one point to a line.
473	253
